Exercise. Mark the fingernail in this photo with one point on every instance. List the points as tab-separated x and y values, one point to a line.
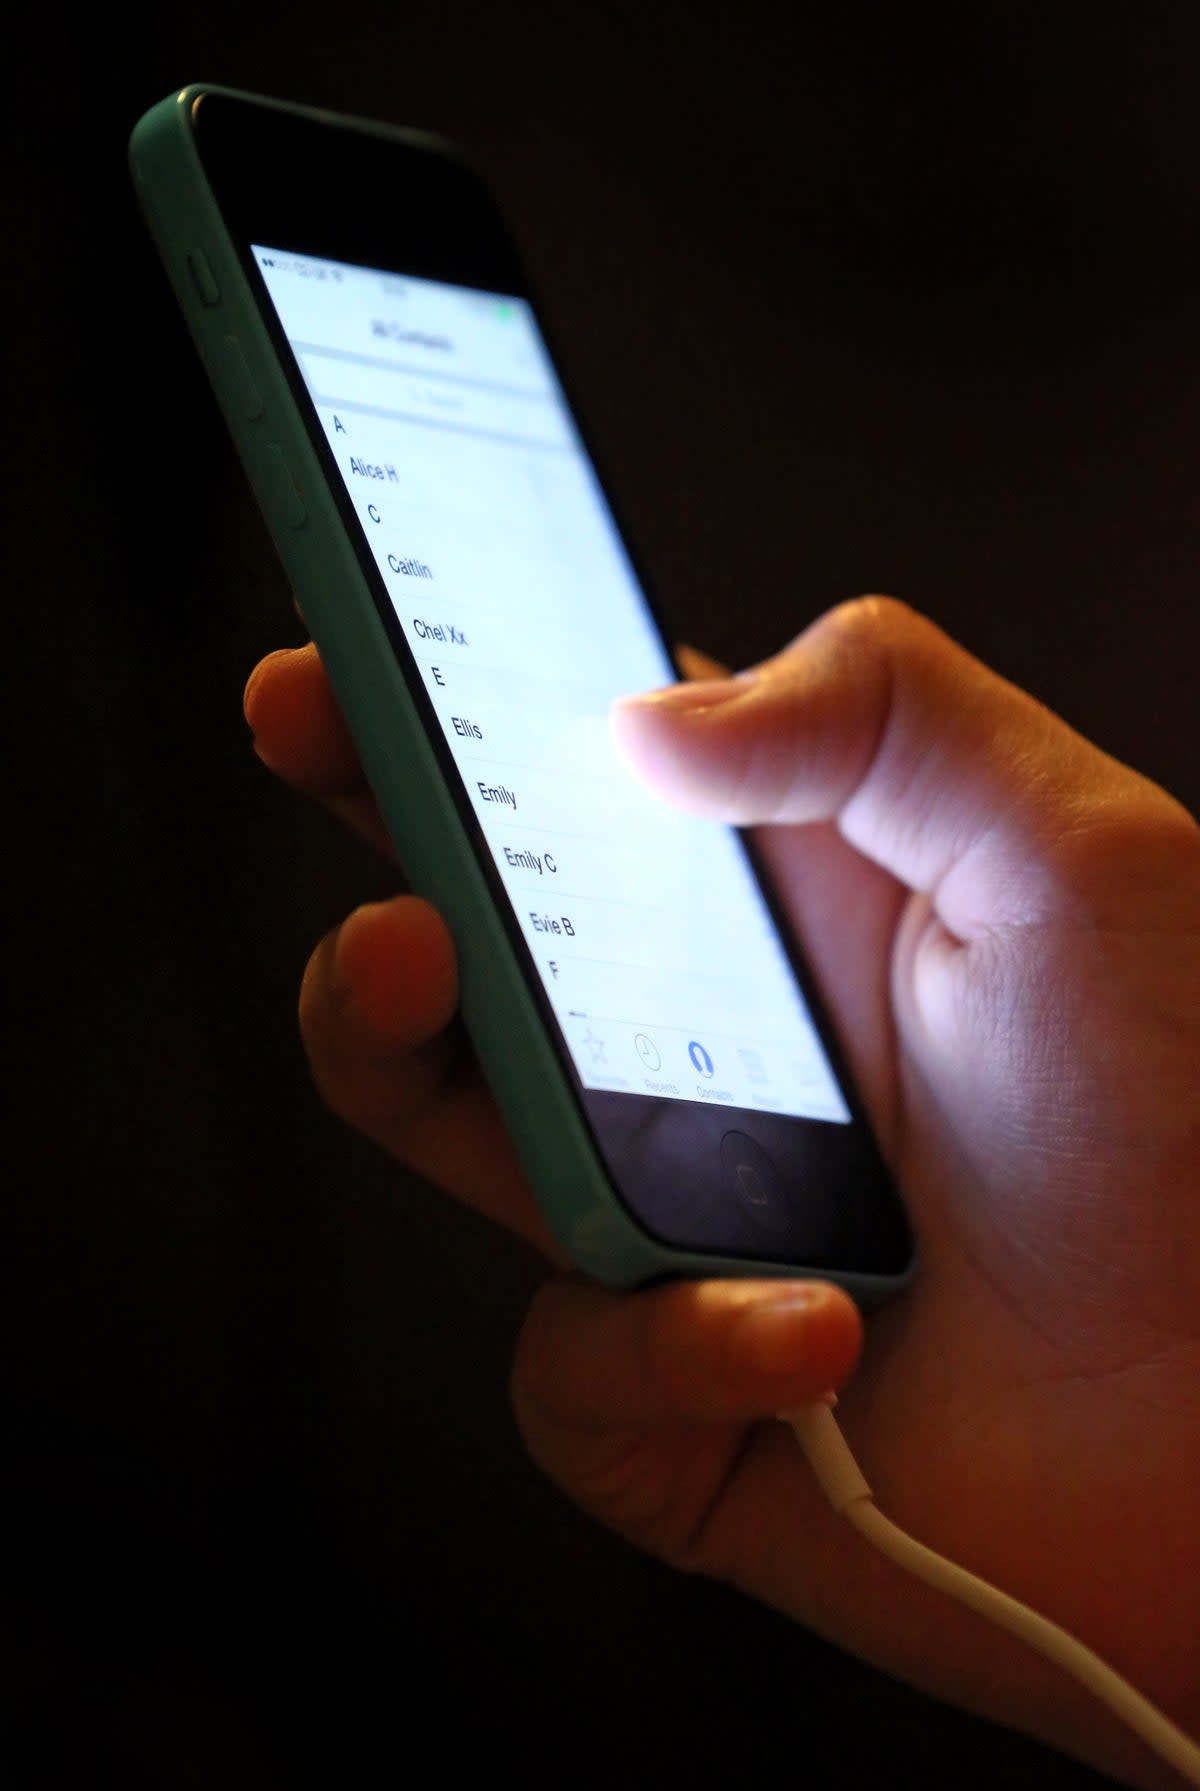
251	685
696	665
256	677
344	969
708	693
772	1331
345	980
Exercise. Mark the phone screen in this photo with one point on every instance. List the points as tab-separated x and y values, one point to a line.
525	619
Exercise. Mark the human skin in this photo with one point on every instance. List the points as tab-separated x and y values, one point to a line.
1005	925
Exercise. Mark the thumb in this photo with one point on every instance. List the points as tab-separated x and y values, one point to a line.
953	780
690	1352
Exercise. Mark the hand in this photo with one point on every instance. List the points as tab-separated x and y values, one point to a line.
1006	926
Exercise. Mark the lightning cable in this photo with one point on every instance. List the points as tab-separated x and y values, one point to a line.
847	1490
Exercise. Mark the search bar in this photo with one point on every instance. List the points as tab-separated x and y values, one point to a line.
410	395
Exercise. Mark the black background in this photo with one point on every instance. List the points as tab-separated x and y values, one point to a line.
855	298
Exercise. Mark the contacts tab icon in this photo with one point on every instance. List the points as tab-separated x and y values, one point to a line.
702	1063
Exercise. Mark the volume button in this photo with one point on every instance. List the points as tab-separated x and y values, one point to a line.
202	278
245	391
281	489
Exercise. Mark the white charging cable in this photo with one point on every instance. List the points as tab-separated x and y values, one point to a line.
846	1489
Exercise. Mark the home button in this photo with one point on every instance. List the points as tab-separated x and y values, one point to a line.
755	1183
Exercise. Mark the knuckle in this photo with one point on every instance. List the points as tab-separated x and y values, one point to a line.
865	638
883	630
873	619
532	1380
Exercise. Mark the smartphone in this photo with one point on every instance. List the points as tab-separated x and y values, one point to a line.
676	1094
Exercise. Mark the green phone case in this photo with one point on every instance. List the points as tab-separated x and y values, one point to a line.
569	1181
